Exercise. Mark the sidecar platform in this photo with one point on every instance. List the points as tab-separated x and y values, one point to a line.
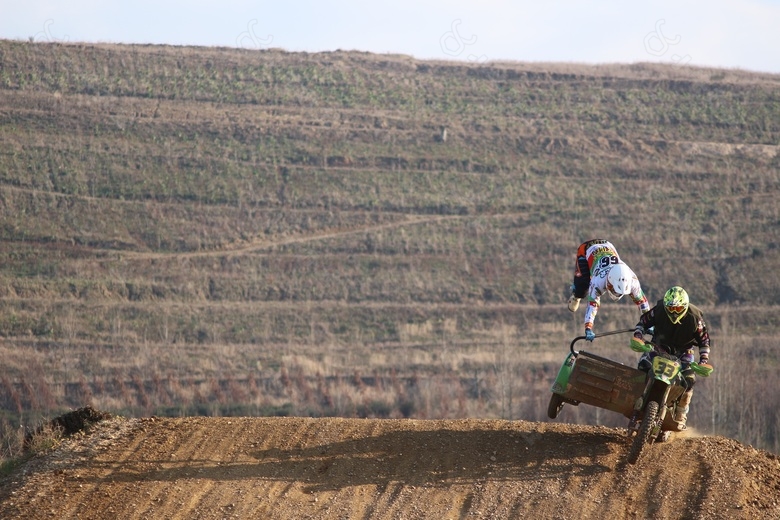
598	381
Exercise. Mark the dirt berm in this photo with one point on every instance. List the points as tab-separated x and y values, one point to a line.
280	468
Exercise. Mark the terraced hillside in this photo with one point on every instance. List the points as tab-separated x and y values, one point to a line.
222	231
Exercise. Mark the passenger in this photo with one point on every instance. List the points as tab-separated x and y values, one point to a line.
599	270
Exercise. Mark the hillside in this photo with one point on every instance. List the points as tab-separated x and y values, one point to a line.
205	231
212	468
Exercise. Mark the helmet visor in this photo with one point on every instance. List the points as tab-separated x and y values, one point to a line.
612	292
675	309
676	312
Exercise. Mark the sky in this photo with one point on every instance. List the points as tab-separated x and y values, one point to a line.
739	34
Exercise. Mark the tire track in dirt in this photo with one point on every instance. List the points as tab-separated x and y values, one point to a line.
296	468
135	462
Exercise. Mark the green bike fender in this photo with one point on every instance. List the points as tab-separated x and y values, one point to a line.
562	380
701	369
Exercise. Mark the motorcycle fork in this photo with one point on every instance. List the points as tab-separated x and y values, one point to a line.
639	405
650	393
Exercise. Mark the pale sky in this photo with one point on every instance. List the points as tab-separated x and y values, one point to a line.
743	34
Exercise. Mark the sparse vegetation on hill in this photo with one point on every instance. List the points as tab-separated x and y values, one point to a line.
218	231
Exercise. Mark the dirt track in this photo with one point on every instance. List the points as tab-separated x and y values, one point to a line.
204	468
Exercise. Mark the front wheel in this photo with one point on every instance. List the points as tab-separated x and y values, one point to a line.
555	406
643	436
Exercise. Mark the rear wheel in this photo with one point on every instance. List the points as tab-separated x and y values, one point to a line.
664	436
555	406
643	436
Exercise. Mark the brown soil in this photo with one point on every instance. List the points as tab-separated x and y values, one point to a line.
364	468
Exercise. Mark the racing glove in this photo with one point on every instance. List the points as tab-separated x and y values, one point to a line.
589	335
639	331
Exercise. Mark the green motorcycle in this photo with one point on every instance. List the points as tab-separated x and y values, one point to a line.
647	399
653	417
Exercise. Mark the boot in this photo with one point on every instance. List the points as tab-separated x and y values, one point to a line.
683	405
574	303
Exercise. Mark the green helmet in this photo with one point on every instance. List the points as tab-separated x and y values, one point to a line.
676	303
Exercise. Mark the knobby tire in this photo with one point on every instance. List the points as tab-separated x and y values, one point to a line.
642	438
555	406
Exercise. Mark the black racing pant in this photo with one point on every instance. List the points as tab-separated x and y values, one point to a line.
582	269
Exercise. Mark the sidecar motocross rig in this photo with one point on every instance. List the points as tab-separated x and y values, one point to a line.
598	381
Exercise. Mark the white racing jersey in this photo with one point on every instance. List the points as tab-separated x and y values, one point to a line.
600	257
598	286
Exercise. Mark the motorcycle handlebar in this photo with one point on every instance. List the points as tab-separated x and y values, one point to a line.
601	334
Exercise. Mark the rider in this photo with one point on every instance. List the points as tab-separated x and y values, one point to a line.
678	327
599	270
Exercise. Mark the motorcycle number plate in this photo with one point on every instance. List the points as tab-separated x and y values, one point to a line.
665	368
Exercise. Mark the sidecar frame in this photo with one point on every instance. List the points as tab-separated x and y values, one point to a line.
598	381
604	383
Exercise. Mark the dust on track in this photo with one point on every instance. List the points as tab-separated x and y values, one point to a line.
208	468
